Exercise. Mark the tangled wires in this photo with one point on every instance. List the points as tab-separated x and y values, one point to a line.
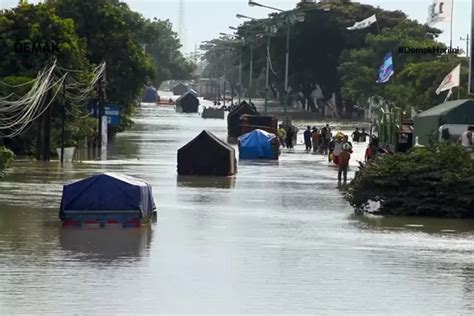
17	113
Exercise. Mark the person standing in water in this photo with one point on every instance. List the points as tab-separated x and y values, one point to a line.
356	135
289	136
315	138
307	138
363	136
281	135
343	164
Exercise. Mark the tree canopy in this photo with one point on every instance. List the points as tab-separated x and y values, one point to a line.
324	53
87	33
163	45
432	181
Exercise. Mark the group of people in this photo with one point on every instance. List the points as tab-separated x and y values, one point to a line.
337	147
287	135
360	136
318	140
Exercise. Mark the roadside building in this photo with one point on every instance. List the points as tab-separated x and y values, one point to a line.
427	123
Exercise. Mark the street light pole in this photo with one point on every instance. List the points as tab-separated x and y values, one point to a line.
467	39
63	121
240	76
267	73
287	65
224	82
251	72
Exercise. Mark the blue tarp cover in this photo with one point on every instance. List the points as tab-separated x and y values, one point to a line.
150	95
108	192
256	145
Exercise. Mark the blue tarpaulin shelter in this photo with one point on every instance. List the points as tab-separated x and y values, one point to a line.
107	192
256	145
150	95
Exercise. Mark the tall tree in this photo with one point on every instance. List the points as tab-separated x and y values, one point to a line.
111	32
163	44
32	37
31	25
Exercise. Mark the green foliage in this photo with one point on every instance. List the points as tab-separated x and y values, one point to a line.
37	23
111	32
78	126
24	83
430	181
344	62
163	45
417	76
87	33
6	157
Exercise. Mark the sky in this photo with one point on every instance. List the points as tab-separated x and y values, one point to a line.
205	19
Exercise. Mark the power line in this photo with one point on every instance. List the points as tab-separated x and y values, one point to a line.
17	116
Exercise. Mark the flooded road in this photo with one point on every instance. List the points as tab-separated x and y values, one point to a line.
278	237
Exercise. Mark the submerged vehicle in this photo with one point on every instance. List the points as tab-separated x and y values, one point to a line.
259	144
107	199
234	128
187	103
207	155
213	112
249	123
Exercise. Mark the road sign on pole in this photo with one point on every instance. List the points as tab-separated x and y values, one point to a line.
113	114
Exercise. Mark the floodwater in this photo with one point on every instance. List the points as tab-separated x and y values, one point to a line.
278	237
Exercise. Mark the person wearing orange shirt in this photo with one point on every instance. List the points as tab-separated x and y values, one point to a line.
343	162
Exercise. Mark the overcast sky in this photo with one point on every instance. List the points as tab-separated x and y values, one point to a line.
205	19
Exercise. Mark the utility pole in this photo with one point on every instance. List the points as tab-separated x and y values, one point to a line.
240	77
101	110
47	131
267	74
251	72
232	84
181	31
63	121
467	39
99	117
287	64
39	139
224	83
471	63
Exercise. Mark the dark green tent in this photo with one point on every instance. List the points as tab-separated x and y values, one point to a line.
207	155
428	122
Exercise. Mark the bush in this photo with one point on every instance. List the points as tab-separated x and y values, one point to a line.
432	181
6	157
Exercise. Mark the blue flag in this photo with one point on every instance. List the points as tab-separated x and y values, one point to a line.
386	69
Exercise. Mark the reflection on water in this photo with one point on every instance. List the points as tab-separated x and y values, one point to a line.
105	244
205	182
426	225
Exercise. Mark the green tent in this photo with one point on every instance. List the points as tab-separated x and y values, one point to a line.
428	122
